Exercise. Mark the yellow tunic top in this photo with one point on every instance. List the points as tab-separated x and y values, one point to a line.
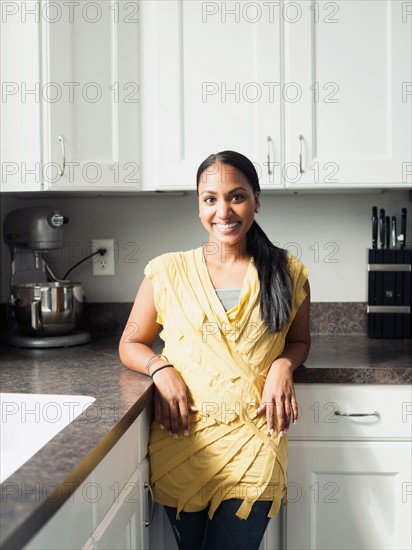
223	357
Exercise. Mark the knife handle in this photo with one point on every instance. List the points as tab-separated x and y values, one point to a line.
387	231
403	227
381	228
393	232
374	227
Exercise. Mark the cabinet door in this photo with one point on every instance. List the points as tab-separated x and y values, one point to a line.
210	82
20	143
147	506
348	94
90	94
72	525
274	537
347	495
124	526
117	531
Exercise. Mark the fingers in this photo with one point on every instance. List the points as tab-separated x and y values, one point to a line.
279	413
170	415
174	420
184	415
158	409
171	404
295	410
270	417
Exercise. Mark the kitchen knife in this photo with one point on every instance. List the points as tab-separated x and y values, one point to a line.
393	232
381	228
374	227
402	236
387	231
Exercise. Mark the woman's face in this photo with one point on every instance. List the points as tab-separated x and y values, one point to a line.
227	204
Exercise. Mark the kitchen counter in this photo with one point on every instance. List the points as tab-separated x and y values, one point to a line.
356	359
94	369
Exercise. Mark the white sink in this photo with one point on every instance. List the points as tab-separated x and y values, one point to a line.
28	421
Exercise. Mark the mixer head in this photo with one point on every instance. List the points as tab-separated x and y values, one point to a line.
38	228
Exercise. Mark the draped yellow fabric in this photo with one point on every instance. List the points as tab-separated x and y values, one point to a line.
223	357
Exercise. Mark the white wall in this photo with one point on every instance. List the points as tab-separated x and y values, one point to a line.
145	226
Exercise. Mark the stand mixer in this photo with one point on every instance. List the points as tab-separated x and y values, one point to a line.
46	311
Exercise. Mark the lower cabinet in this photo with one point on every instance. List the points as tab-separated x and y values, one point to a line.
349	473
126	524
349	481
113	508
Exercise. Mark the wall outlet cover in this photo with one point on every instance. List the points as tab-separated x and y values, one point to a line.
103	265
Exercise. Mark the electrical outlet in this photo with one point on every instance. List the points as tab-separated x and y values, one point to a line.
103	265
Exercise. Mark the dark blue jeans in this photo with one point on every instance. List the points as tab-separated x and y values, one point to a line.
195	531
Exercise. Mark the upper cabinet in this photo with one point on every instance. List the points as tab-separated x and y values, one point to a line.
20	138
78	104
90	55
317	93
122	95
348	120
210	82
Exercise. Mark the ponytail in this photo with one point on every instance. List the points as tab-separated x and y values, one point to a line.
271	261
274	277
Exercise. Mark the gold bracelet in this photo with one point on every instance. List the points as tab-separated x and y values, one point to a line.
151	359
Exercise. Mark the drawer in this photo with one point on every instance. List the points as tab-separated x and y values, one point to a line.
319	403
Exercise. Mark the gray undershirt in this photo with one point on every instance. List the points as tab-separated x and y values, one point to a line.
229	297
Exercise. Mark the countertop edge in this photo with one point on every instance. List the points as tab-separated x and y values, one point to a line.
374	376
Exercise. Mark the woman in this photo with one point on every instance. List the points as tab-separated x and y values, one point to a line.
235	317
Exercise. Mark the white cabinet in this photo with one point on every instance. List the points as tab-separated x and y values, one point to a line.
83	111
20	139
71	526
349	481
113	508
210	82
125	526
135	95
90	54
348	114
318	93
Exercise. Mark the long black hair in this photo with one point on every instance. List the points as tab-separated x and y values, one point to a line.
271	261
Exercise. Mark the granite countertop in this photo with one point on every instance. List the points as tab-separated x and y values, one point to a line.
92	369
356	359
95	369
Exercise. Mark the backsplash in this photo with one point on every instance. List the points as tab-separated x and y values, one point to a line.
327	319
329	233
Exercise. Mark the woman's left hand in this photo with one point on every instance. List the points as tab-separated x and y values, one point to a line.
279	398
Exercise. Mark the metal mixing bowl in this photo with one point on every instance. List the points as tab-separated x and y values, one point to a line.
47	309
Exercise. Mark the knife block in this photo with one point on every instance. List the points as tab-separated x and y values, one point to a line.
389	293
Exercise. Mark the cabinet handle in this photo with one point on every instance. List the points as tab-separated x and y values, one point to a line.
268	142
301	170
60	138
147	486
375	413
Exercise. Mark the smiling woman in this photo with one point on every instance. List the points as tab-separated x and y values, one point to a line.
224	394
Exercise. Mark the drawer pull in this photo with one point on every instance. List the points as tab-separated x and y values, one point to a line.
61	171
269	141
148	522
375	413
301	170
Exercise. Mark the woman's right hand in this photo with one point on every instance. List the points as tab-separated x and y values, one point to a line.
171	403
